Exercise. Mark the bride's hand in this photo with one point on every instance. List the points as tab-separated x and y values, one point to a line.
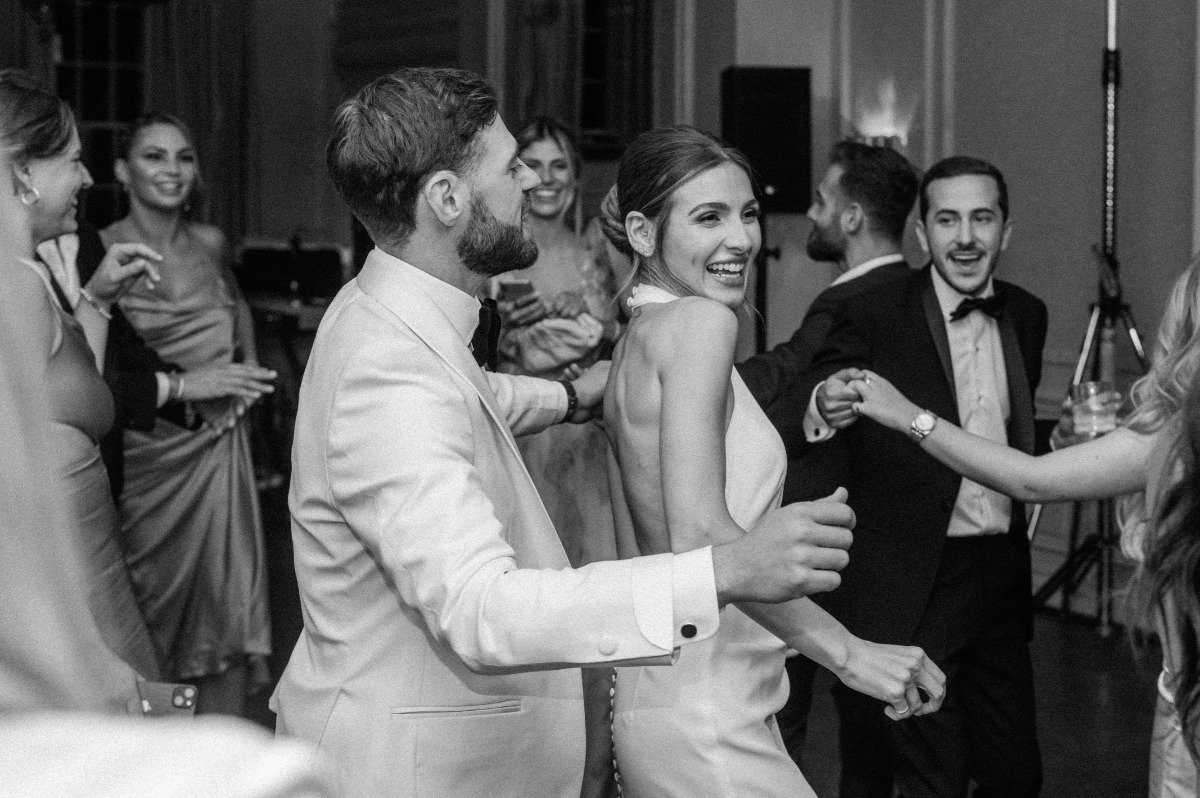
879	400
896	675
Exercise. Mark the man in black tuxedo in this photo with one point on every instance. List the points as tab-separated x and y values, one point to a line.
939	561
858	218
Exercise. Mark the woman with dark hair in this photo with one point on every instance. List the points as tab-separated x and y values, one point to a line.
1150	457
38	132
696	462
192	527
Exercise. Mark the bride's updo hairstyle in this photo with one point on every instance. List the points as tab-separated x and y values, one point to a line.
653	167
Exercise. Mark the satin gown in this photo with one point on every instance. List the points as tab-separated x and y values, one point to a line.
193	530
705	726
81	412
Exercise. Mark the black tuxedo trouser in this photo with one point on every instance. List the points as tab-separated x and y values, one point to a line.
986	729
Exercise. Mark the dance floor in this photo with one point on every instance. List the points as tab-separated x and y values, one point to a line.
1095	695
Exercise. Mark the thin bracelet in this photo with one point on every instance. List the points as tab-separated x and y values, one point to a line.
91	300
572	399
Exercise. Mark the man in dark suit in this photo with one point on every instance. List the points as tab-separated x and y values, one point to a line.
939	561
858	217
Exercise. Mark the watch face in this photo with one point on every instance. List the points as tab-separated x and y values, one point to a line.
923	423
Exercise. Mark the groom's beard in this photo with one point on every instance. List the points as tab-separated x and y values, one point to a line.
490	247
823	247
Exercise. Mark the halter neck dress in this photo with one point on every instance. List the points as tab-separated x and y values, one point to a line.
705	726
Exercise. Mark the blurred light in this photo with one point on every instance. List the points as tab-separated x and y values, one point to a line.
880	121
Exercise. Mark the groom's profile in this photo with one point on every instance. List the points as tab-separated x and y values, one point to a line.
443	627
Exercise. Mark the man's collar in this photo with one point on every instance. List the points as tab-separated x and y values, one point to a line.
948	297
866	266
460	307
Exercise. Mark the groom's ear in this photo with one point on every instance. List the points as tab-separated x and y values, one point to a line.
446	195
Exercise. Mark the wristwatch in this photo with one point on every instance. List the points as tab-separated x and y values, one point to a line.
923	424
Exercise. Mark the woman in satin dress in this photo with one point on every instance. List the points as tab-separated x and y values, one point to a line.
38	131
189	511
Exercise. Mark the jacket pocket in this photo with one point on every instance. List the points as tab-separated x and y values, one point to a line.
505	707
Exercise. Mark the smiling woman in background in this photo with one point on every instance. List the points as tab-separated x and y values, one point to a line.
190	513
559	317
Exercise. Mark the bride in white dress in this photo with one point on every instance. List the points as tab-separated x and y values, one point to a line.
694	462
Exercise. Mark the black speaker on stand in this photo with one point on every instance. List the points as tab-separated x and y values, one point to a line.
766	113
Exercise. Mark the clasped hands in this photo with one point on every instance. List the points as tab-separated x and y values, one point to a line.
854	392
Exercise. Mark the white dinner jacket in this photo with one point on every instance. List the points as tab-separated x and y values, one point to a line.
442	624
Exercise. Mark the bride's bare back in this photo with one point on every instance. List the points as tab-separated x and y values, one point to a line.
657	382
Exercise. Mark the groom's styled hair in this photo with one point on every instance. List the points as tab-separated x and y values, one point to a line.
395	132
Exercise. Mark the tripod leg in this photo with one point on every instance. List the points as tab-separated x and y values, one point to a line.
1134	337
1089	339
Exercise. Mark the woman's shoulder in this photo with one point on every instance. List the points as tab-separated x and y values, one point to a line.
118	232
208	236
701	310
690	322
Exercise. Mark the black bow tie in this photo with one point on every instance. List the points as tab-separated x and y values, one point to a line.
487	335
991	305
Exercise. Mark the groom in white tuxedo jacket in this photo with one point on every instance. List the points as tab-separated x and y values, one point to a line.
443	627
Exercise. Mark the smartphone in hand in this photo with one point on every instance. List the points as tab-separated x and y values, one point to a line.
512	290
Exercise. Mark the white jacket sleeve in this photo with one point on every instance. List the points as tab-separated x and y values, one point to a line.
530	404
410	470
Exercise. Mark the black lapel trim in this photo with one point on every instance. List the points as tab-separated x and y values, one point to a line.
937	328
1020	398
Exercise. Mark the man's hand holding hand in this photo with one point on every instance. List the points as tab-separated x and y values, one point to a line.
836	398
792	552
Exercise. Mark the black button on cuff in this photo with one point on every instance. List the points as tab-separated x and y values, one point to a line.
688	631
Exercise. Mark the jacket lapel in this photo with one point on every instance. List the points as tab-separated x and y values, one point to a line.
1020	399
384	282
937	327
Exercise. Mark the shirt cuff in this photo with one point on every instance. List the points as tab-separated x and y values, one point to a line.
695	596
815	428
164	389
675	599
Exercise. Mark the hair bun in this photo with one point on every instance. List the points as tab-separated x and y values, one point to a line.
613	223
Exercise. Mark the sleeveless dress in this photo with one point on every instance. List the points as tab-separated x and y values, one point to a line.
81	412
193	531
705	726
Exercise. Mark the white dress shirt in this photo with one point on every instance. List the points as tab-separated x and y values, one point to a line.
866	266
981	390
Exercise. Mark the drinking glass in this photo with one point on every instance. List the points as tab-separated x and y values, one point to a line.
1094	408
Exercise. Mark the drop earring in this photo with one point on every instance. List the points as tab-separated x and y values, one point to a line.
26	193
